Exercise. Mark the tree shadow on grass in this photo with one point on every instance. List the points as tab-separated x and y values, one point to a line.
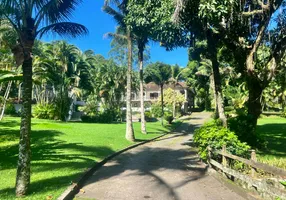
51	156
275	135
10	123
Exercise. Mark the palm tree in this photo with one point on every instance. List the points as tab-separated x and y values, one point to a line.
160	74
176	74
123	33
32	19
141	43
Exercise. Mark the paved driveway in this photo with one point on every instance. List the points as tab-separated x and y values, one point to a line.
163	170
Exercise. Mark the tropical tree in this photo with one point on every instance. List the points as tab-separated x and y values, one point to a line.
177	74
31	19
123	33
160	74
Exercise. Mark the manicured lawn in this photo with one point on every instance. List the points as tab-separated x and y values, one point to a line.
61	152
273	129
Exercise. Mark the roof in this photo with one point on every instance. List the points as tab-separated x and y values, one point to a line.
153	87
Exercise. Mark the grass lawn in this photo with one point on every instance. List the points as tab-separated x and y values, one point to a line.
61	152
273	129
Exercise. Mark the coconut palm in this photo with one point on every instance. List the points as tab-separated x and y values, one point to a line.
32	19
160	74
123	33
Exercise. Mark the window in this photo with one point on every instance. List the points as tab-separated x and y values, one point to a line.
154	95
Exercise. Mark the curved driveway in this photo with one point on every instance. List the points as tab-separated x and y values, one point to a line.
167	169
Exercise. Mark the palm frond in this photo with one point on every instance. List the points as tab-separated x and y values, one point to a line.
55	10
64	29
117	16
10	77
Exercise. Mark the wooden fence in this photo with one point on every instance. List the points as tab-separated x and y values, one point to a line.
269	188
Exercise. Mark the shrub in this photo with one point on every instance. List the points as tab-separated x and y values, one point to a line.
245	129
45	111
214	135
10	109
283	113
156	109
148	116
106	116
168	117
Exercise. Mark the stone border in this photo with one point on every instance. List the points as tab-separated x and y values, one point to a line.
72	190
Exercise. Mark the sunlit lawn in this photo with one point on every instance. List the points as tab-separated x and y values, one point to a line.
61	152
273	129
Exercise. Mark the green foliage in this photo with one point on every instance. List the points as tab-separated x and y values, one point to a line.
171	96
156	109
10	109
168	116
106	116
45	111
62	103
158	73
148	116
245	129
214	135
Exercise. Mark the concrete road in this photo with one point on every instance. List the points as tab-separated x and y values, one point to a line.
167	169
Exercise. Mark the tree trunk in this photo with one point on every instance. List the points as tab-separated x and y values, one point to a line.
212	85
140	58
212	50
254	84
23	168
129	126
254	100
162	104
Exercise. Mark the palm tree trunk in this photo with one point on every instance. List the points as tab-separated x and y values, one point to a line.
140	58
162	105
23	168
129	126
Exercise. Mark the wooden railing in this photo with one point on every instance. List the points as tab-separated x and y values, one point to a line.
272	190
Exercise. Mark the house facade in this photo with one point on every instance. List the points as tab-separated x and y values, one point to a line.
152	93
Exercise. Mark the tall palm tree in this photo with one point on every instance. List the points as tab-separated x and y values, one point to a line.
160	74
123	33
141	43
32	19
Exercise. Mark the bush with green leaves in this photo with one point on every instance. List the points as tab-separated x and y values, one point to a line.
106	116
245	129
10	109
45	111
168	117
214	135
156	110
148	116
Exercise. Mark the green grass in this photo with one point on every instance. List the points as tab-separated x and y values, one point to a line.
273	129
61	152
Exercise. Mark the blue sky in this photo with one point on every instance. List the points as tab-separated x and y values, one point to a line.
89	13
